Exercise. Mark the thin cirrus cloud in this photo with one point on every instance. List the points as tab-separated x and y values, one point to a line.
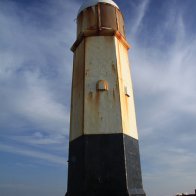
139	16
31	70
35	86
33	153
164	80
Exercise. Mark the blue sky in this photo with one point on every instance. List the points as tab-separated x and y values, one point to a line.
35	86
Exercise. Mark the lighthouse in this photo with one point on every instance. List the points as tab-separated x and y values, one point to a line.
104	155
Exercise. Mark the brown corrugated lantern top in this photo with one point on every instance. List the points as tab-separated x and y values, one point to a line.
100	19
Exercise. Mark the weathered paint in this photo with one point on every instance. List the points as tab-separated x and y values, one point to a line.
100	107
102	58
126	102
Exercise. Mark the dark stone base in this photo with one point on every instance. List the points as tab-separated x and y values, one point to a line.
104	165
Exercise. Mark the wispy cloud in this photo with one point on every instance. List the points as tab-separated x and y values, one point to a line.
35	76
164	81
138	19
38	138
34	154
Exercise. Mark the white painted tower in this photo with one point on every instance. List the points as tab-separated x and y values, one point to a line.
103	150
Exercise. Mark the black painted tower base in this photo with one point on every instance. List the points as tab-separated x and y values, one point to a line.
104	165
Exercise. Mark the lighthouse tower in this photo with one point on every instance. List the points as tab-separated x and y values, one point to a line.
103	150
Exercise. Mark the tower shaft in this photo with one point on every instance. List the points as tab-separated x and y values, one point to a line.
103	150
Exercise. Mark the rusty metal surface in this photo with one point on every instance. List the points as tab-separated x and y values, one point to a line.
102	32
108	15
87	20
101	19
120	21
101	16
